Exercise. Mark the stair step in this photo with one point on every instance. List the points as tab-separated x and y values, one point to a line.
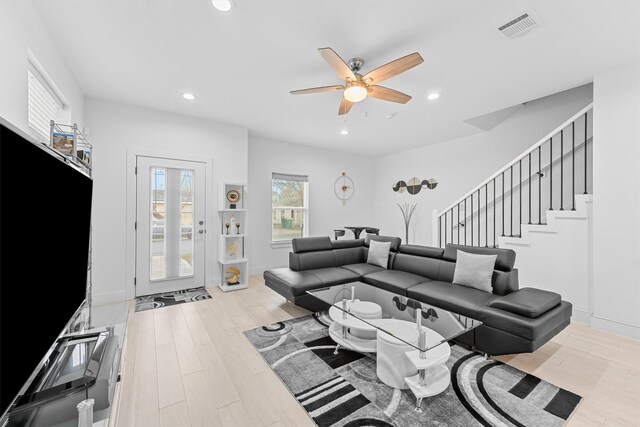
552	226
538	228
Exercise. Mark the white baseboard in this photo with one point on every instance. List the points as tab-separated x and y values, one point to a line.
606	325
99	299
211	282
614	327
581	316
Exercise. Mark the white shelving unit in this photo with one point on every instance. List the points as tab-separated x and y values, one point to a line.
232	240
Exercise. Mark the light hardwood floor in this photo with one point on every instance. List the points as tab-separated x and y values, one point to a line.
190	365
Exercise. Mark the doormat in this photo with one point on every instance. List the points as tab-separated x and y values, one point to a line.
149	302
344	390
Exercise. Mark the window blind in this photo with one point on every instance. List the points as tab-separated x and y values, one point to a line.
43	105
289	177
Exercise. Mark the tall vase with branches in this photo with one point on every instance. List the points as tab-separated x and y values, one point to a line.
407	213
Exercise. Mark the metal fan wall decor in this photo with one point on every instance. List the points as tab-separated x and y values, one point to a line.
358	87
414	185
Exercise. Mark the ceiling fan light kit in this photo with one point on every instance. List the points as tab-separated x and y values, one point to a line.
222	5
356	87
355	91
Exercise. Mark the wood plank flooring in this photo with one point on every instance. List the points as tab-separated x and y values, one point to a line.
190	365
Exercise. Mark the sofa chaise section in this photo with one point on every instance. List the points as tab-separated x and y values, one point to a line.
318	262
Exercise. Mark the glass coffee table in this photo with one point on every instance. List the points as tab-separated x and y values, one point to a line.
410	337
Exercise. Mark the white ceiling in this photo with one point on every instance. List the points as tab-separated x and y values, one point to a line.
243	64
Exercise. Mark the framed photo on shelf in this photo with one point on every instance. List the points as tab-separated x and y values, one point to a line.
63	142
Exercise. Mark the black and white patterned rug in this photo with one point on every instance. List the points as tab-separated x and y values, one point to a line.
344	390
149	302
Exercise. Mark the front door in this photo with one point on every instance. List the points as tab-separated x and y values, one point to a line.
170	228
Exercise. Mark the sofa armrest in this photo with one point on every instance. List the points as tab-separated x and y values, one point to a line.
504	282
527	302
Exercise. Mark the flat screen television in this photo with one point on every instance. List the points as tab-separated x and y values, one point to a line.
45	211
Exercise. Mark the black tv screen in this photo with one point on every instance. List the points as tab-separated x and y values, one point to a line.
45	211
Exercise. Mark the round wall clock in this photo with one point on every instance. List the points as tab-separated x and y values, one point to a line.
343	187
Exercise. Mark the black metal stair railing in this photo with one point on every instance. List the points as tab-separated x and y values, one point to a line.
503	199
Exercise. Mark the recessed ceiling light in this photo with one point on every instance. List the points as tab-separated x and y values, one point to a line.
344	132
222	5
433	96
188	96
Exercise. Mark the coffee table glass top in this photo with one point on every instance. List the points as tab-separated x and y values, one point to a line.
353	315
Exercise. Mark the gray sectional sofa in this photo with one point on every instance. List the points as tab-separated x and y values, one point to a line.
514	320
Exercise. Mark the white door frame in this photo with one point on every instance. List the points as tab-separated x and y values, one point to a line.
130	235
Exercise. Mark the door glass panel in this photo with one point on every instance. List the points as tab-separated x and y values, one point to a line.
172	236
158	225
187	226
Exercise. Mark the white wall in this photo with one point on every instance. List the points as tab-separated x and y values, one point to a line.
616	207
117	129
326	211
460	164
21	30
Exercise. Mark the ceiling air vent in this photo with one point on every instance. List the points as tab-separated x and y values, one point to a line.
521	25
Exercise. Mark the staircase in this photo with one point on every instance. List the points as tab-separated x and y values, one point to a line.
532	194
539	205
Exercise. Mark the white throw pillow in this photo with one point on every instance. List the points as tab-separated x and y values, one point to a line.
474	270
378	253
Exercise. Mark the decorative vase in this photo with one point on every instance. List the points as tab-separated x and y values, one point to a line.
407	213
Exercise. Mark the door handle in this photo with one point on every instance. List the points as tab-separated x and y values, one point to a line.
201	231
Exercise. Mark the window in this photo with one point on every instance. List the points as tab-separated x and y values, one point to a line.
289	213
43	104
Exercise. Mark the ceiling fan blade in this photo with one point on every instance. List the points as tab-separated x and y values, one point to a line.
345	106
337	63
387	94
317	89
394	68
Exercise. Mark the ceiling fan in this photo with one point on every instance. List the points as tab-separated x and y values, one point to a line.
357	87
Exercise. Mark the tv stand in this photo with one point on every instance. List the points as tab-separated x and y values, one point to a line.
84	363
